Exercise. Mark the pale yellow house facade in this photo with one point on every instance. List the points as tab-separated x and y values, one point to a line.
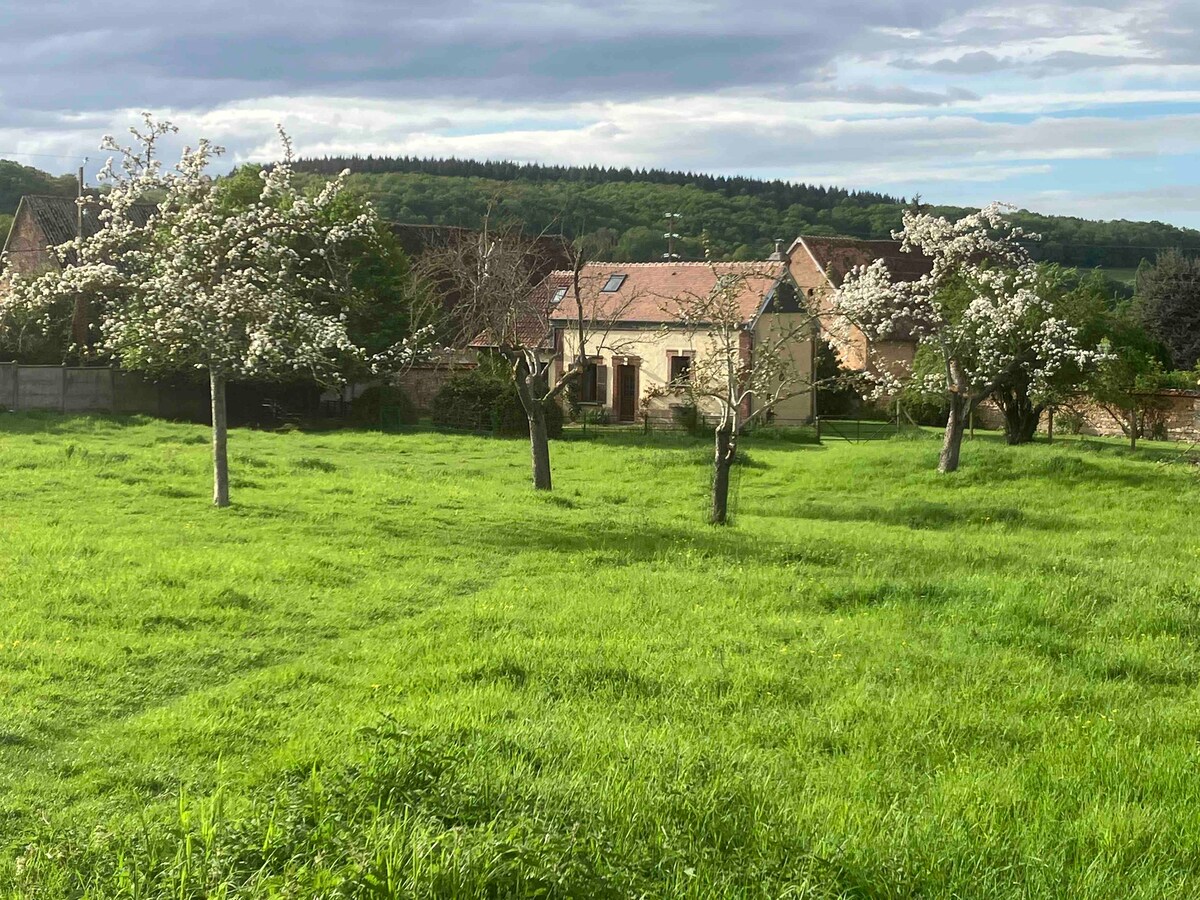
642	354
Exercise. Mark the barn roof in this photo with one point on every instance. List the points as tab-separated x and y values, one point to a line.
57	217
836	256
651	293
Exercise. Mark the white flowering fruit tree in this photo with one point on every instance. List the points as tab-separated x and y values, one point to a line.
239	290
977	311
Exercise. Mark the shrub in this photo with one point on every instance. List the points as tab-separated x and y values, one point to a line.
687	417
1069	422
598	416
571	399
369	406
924	409
554	419
1177	381
838	396
478	401
1157	430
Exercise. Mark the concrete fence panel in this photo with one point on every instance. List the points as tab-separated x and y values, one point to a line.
88	390
8	386
134	394
101	390
40	387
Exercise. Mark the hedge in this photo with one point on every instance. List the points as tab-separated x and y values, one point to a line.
476	401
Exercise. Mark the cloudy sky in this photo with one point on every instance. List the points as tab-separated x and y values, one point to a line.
1088	109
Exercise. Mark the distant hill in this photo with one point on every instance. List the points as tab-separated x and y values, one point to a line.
741	217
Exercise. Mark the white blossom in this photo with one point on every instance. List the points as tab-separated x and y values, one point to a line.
977	307
243	291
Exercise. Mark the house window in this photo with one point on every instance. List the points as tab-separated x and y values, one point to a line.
681	369
613	284
594	386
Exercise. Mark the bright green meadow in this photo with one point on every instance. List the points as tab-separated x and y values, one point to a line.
393	670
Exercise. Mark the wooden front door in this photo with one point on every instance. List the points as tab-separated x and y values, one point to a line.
627	393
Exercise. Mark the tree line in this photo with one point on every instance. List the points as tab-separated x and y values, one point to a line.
781	194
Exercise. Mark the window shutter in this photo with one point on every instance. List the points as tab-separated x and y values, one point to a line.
602	384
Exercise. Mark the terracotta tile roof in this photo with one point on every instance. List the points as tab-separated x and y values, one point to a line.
651	292
836	256
529	331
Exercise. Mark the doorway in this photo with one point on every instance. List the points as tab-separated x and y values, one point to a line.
627	393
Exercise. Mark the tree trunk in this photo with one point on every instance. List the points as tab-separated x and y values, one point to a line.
539	438
724	453
80	334
1133	428
220	439
955	425
1021	417
539	447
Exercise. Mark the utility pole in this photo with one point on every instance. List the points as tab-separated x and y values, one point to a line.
671	236
79	211
79	315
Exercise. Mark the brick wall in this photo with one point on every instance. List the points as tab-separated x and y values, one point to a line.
27	251
1175	416
850	343
422	383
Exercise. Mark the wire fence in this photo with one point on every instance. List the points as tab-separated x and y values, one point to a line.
396	419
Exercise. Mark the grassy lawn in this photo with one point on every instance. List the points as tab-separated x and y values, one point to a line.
1128	276
393	670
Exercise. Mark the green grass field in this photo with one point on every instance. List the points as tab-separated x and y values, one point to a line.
392	670
1127	276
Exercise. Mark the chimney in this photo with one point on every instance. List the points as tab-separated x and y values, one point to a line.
780	255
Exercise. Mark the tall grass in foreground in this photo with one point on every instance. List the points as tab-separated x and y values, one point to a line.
394	671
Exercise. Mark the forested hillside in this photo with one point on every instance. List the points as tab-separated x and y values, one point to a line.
625	208
740	216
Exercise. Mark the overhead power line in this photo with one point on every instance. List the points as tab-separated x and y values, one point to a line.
44	155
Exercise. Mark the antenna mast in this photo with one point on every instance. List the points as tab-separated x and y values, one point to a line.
671	236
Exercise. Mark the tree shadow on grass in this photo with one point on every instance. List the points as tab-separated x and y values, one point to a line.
929	515
1080	463
50	422
615	545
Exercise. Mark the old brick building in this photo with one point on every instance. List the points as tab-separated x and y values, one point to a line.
818	266
43	222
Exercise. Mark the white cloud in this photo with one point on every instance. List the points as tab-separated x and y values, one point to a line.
1172	203
717	133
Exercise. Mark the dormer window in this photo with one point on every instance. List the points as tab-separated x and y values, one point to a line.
613	284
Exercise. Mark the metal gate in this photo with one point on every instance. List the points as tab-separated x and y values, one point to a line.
855	430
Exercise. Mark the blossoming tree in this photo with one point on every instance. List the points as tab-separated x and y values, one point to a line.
977	311
246	290
751	362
